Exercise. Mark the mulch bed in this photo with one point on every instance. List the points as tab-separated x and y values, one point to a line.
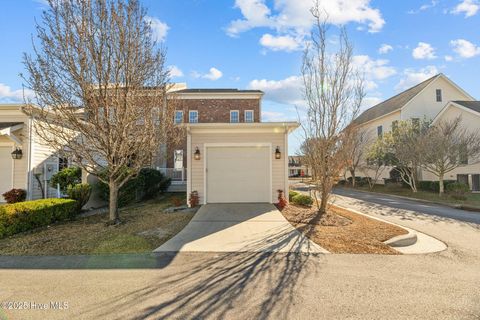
342	231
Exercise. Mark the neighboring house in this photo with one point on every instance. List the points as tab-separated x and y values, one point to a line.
297	167
35	163
427	100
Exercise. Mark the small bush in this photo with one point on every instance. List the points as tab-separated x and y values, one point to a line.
80	193
458	190
302	200
66	177
15	195
282	202
342	182
147	184
292	194
194	199
176	202
434	186
24	216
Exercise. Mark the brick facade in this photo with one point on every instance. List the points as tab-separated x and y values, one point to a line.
211	110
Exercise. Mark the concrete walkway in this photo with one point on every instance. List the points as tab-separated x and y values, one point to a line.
246	227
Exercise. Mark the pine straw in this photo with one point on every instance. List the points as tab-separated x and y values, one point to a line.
342	231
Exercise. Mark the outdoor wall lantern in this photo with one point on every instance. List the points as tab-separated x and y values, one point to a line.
196	155
278	154
17	154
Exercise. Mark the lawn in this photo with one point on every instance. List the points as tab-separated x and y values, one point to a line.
343	231
146	226
473	199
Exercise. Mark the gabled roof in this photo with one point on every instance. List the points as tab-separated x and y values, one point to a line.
472	105
394	103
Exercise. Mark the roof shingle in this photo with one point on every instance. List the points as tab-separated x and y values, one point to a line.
394	103
472	105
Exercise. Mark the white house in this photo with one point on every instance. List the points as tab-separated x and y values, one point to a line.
25	162
433	99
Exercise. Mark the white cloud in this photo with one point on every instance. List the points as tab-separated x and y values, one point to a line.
7	95
448	58
424	51
424	7
373	69
175	72
280	43
213	74
293	19
465	48
412	77
159	28
285	91
468	7
385	48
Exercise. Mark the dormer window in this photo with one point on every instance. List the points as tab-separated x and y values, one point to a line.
439	95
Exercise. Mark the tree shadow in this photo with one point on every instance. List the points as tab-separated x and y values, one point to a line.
214	286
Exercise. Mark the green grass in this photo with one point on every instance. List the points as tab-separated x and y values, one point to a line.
145	227
473	199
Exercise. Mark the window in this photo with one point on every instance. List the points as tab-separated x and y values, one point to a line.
62	163
439	95
379	131
178	159
248	115
234	116
193	116
178	116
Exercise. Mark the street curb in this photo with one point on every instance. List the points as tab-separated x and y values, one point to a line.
403	240
453	206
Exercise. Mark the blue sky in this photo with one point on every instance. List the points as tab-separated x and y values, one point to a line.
258	44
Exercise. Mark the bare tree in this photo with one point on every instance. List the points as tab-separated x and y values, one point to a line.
356	145
447	146
404	147
375	162
100	85
333	91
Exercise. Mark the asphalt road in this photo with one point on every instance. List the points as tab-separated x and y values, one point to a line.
443	285
417	206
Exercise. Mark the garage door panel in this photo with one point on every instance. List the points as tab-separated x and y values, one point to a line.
238	174
5	170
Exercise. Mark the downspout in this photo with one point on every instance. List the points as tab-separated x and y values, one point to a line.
29	159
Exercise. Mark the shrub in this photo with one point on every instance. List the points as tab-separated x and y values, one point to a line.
15	195
176	201
302	200
24	216
152	182
282	202
80	193
67	177
458	190
292	194
147	184
194	199
434	186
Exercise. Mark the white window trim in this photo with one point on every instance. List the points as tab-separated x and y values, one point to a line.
189	118
245	116
238	112
175	117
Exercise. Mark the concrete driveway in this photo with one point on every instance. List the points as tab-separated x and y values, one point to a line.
239	227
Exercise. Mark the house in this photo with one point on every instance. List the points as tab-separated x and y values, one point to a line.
25	162
228	154
433	99
297	167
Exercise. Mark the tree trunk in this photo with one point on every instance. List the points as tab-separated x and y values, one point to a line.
352	173
113	203
323	203
440	185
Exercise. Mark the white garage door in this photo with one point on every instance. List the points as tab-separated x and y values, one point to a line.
238	174
5	170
